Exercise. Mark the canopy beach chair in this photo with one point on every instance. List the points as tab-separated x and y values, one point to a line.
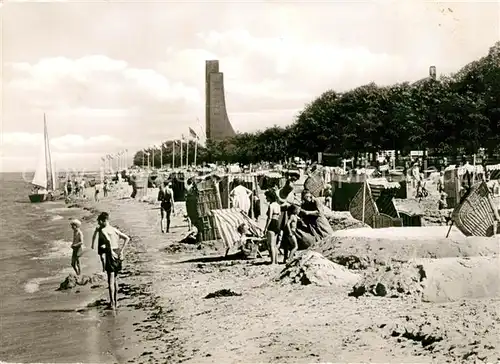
226	223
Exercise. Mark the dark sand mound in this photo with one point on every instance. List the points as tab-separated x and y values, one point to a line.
427	208
435	280
312	268
72	281
342	220
391	281
362	248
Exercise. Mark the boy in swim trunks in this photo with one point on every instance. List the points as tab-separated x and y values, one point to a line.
77	245
110	237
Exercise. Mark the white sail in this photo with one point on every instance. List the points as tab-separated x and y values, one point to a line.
45	173
40	178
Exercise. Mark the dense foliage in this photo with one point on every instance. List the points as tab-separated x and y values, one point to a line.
453	115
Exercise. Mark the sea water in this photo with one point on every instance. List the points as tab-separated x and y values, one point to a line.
38	323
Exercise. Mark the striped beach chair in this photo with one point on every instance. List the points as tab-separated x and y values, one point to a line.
226	223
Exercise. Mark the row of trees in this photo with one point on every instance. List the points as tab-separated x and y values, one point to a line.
455	114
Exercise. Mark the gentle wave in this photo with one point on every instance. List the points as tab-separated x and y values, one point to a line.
33	285
60	209
56	218
57	249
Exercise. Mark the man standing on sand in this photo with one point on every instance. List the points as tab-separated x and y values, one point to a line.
109	237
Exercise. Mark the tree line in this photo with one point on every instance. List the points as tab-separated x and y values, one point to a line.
452	115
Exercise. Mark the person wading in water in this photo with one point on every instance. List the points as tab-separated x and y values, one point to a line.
166	198
109	237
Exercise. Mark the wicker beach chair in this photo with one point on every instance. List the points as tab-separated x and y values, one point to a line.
476	215
226	223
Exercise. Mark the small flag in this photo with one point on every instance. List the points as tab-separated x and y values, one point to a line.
103	159
193	133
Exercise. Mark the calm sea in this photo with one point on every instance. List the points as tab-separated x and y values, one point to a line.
38	323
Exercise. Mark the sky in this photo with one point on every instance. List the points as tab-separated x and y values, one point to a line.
126	75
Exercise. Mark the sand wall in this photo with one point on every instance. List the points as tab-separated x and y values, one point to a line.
362	248
451	279
434	280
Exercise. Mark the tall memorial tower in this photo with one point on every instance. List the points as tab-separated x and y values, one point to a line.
217	124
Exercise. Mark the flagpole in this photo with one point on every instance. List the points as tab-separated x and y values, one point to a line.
173	154
161	155
187	153
195	150
143	159
181	151
153	158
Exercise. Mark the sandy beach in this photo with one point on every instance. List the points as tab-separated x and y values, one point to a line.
164	315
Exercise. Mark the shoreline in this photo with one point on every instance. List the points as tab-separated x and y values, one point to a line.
163	314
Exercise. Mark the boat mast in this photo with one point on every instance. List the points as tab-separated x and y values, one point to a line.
48	159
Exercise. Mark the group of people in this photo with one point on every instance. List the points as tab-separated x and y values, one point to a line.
292	224
106	237
77	189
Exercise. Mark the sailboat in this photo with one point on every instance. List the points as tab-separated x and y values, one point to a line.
44	179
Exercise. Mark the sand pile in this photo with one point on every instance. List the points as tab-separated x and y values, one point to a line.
434	280
342	220
362	248
72	281
312	268
391	281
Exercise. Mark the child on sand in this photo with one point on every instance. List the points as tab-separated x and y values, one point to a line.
77	245
442	204
249	246
291	244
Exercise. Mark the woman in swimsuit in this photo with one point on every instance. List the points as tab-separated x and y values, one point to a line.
272	228
166	198
111	236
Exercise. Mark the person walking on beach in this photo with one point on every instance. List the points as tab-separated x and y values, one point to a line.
109	236
105	188
166	198
77	245
97	188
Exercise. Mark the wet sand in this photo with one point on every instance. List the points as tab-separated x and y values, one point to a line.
163	315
